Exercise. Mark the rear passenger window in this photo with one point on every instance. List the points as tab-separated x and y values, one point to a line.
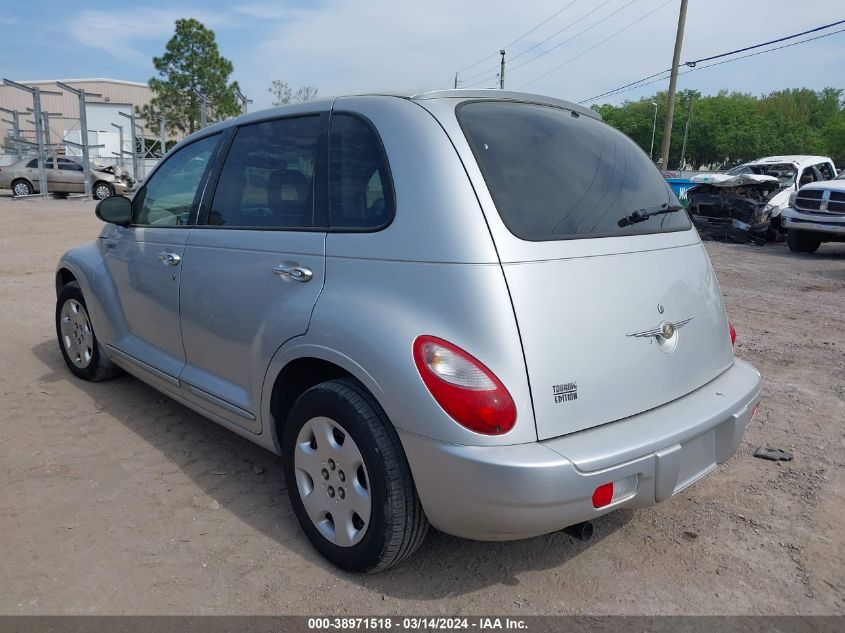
360	190
267	180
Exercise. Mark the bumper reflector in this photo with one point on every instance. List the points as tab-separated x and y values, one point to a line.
615	491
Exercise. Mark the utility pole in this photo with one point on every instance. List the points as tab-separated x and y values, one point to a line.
502	71
456	81
653	129
83	131
673	82
686	133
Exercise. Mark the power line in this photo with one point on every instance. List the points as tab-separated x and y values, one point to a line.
486	73
581	32
554	15
559	44
748	48
584	52
692	64
556	33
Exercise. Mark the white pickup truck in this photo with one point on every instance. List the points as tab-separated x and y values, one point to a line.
815	214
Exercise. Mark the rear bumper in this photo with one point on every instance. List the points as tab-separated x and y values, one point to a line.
523	490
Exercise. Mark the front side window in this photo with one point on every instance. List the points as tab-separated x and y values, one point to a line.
554	174
171	195
826	171
267	179
360	189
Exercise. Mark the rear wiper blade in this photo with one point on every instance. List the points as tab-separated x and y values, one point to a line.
641	215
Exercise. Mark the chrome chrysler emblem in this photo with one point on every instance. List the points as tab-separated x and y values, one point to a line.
665	330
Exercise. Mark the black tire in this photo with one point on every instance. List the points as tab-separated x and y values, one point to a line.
397	523
22	187
100	188
802	242
99	367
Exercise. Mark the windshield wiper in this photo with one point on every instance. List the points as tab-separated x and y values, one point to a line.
641	215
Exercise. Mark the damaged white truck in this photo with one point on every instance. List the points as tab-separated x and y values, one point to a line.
745	203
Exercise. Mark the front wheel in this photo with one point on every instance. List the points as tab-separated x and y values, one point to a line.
348	479
802	242
103	190
77	341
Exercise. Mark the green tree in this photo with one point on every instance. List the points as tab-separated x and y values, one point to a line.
731	128
191	65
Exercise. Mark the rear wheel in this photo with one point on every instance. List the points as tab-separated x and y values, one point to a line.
80	349
348	479
802	242
22	188
103	190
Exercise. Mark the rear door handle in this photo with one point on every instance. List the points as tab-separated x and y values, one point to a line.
297	273
171	259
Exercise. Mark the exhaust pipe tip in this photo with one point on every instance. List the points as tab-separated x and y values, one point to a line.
581	531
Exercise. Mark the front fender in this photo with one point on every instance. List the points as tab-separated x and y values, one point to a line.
83	262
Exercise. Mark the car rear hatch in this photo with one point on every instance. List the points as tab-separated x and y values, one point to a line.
616	301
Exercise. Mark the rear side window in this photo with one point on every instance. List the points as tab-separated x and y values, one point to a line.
555	175
360	188
48	163
267	179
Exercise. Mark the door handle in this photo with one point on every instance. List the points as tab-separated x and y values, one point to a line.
297	273
171	259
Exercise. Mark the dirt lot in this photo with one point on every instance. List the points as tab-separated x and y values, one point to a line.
117	500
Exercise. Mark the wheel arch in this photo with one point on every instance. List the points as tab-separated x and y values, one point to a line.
22	179
296	369
63	277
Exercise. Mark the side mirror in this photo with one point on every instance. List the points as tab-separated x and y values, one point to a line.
115	210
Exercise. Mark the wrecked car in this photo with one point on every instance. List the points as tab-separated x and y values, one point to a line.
745	203
734	208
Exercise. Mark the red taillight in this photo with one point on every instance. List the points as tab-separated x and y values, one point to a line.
733	333
603	495
468	391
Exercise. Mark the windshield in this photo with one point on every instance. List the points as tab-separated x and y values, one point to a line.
555	174
784	172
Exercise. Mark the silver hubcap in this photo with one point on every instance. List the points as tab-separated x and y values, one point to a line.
21	189
102	192
77	335
332	481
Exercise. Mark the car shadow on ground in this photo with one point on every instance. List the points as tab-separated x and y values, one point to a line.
253	489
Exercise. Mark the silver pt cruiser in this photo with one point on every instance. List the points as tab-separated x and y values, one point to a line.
483	311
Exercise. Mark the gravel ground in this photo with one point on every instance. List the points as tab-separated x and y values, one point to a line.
117	500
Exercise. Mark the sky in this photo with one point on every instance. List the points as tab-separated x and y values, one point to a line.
354	46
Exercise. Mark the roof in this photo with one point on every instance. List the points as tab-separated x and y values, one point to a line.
798	159
89	80
501	95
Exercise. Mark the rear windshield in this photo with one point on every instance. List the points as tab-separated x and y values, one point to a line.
555	174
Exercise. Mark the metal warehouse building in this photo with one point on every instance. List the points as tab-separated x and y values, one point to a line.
102	112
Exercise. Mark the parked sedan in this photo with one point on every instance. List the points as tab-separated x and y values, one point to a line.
64	175
479	310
